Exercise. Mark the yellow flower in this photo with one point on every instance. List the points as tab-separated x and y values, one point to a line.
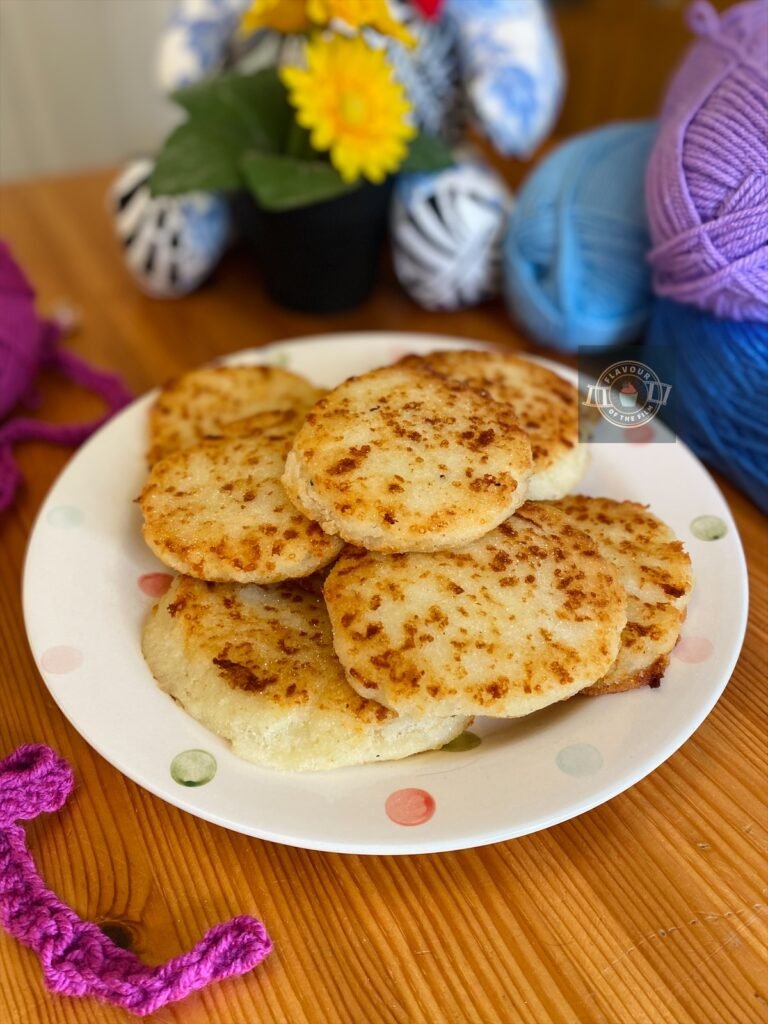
352	105
281	15
360	13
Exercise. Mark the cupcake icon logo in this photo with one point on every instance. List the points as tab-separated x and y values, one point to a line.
628	394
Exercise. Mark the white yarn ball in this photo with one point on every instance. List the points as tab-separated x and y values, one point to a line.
170	243
447	230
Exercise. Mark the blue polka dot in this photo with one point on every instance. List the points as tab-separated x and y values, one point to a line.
579	759
64	516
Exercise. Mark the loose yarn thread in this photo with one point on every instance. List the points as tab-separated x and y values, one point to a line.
78	959
29	344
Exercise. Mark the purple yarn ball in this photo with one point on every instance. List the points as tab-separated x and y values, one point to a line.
707	179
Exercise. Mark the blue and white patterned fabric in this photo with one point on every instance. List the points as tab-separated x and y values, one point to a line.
447	230
170	243
513	70
196	40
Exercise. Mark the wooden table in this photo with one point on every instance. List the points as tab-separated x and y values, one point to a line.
649	908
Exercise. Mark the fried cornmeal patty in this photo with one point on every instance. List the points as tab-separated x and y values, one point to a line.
216	510
655	571
546	405
522	618
402	460
201	402
256	666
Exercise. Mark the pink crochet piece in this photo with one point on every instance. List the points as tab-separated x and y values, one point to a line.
78	959
29	344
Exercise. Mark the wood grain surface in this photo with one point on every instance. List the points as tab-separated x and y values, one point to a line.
651	908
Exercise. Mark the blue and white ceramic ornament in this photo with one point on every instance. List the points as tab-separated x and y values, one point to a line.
447	230
170	243
430	72
196	40
512	68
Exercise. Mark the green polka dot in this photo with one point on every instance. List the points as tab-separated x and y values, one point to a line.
579	759
193	767
708	528
281	359
64	516
467	741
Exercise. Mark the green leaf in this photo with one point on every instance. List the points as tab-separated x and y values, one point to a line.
250	109
192	160
285	183
228	116
427	153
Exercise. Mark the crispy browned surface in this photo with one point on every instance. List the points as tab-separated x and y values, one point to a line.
216	510
656	573
256	665
546	405
199	403
522	618
401	460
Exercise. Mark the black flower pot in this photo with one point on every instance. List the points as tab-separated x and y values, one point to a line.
321	258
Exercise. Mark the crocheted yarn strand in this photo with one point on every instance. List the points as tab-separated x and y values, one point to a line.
77	958
107	385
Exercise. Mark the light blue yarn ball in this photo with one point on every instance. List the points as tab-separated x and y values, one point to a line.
575	268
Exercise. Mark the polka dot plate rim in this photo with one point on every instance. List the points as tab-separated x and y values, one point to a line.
84	605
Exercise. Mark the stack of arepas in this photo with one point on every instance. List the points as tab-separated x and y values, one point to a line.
464	579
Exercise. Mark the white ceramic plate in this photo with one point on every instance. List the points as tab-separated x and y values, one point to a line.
85	597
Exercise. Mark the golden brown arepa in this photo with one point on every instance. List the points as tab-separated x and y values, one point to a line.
216	510
256	666
526	616
197	404
655	571
546	405
402	460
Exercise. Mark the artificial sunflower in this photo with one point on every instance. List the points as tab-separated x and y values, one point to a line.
359	14
280	15
349	100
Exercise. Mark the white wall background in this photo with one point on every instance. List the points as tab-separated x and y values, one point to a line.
77	84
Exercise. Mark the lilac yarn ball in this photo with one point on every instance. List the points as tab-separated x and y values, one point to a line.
707	179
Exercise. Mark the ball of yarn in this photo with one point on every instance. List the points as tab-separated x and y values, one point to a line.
721	380
707	184
512	69
170	243
446	231
575	271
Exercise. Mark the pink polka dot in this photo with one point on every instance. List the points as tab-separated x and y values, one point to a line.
410	806
693	649
643	434
154	584
61	659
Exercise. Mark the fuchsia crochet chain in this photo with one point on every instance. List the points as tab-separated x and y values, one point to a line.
78	959
29	344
